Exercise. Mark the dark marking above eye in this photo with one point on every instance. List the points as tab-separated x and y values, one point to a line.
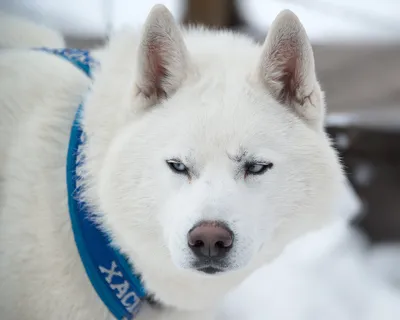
239	156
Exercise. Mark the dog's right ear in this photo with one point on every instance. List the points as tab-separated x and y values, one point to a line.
163	57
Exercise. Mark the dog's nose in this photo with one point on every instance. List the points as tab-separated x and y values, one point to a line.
210	239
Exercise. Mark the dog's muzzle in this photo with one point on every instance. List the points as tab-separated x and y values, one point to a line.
210	242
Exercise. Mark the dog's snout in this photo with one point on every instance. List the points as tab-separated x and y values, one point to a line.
210	239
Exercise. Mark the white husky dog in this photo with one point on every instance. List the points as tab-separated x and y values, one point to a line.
205	155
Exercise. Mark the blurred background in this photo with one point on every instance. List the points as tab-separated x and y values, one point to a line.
357	52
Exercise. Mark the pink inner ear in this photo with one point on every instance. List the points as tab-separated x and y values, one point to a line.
288	78
284	60
157	72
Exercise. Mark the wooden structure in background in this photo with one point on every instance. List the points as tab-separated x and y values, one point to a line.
218	14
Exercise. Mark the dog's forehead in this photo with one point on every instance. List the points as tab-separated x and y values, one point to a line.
229	129
226	109
228	113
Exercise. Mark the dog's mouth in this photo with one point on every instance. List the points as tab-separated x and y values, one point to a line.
210	270
209	267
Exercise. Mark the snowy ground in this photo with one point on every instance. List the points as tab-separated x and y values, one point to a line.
331	274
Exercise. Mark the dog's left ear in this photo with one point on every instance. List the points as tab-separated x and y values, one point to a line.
287	69
163	57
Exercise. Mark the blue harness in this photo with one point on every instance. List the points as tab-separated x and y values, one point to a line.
111	275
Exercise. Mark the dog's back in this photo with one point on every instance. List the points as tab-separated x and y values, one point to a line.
39	96
17	32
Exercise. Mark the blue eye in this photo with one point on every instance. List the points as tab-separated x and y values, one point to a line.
258	168
177	166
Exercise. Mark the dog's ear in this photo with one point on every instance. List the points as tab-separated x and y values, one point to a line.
287	68
163	57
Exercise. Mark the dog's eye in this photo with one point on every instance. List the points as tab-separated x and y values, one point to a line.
258	168
177	166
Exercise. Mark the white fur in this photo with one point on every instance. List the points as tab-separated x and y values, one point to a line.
215	101
17	32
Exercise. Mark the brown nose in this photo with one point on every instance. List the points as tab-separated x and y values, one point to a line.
210	239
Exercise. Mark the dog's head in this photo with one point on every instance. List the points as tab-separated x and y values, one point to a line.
206	152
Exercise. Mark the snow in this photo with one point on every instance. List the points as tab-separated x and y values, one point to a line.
381	118
89	18
330	21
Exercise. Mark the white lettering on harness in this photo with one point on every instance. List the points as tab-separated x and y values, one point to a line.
127	297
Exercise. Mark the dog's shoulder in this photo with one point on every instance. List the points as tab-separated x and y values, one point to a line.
17	32
35	77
